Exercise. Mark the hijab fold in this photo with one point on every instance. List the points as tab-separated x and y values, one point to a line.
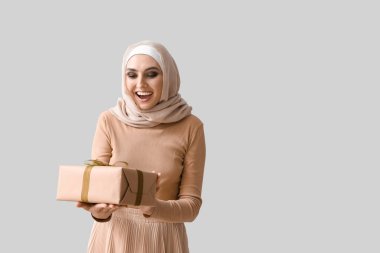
171	108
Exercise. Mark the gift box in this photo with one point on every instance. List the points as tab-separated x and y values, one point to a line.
106	184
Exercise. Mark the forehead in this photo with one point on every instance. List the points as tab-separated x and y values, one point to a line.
142	61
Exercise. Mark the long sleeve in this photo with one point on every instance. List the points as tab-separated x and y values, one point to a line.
187	207
101	146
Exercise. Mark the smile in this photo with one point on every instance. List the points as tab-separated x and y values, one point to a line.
144	95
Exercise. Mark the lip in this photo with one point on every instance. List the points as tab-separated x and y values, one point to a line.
145	99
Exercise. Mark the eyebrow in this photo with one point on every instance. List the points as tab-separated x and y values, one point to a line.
150	68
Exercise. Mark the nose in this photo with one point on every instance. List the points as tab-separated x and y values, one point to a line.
141	82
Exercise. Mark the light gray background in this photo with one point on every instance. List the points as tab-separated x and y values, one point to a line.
287	90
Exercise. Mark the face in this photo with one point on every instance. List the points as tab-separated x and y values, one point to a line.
144	81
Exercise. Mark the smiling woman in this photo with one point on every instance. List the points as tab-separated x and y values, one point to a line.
152	128
169	107
144	81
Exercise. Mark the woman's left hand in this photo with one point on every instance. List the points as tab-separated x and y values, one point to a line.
99	211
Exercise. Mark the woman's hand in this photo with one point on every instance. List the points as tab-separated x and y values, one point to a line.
99	211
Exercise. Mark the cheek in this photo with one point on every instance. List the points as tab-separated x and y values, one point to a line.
158	86
128	87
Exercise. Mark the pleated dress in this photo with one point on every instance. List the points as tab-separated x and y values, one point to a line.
130	231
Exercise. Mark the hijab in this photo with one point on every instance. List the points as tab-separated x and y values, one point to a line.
171	107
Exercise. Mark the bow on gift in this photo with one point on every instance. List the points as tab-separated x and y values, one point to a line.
86	179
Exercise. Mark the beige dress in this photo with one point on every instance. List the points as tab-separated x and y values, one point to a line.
177	151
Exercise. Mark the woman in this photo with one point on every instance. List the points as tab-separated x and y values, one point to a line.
152	129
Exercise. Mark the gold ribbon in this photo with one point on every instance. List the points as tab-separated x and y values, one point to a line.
86	183
140	187
86	180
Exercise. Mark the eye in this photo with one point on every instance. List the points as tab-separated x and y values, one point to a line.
131	75
152	74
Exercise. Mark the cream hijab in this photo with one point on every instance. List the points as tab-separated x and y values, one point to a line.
171	107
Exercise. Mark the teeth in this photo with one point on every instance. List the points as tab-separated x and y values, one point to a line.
144	93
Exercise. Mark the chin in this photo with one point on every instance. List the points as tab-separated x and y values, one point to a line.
145	107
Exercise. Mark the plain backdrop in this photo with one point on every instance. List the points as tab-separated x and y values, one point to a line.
288	92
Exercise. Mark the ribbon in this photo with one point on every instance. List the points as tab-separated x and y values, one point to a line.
140	187
86	179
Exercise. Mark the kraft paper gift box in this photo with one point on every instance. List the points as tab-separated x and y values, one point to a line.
106	184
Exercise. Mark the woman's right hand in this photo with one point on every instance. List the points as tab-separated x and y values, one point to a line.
99	211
